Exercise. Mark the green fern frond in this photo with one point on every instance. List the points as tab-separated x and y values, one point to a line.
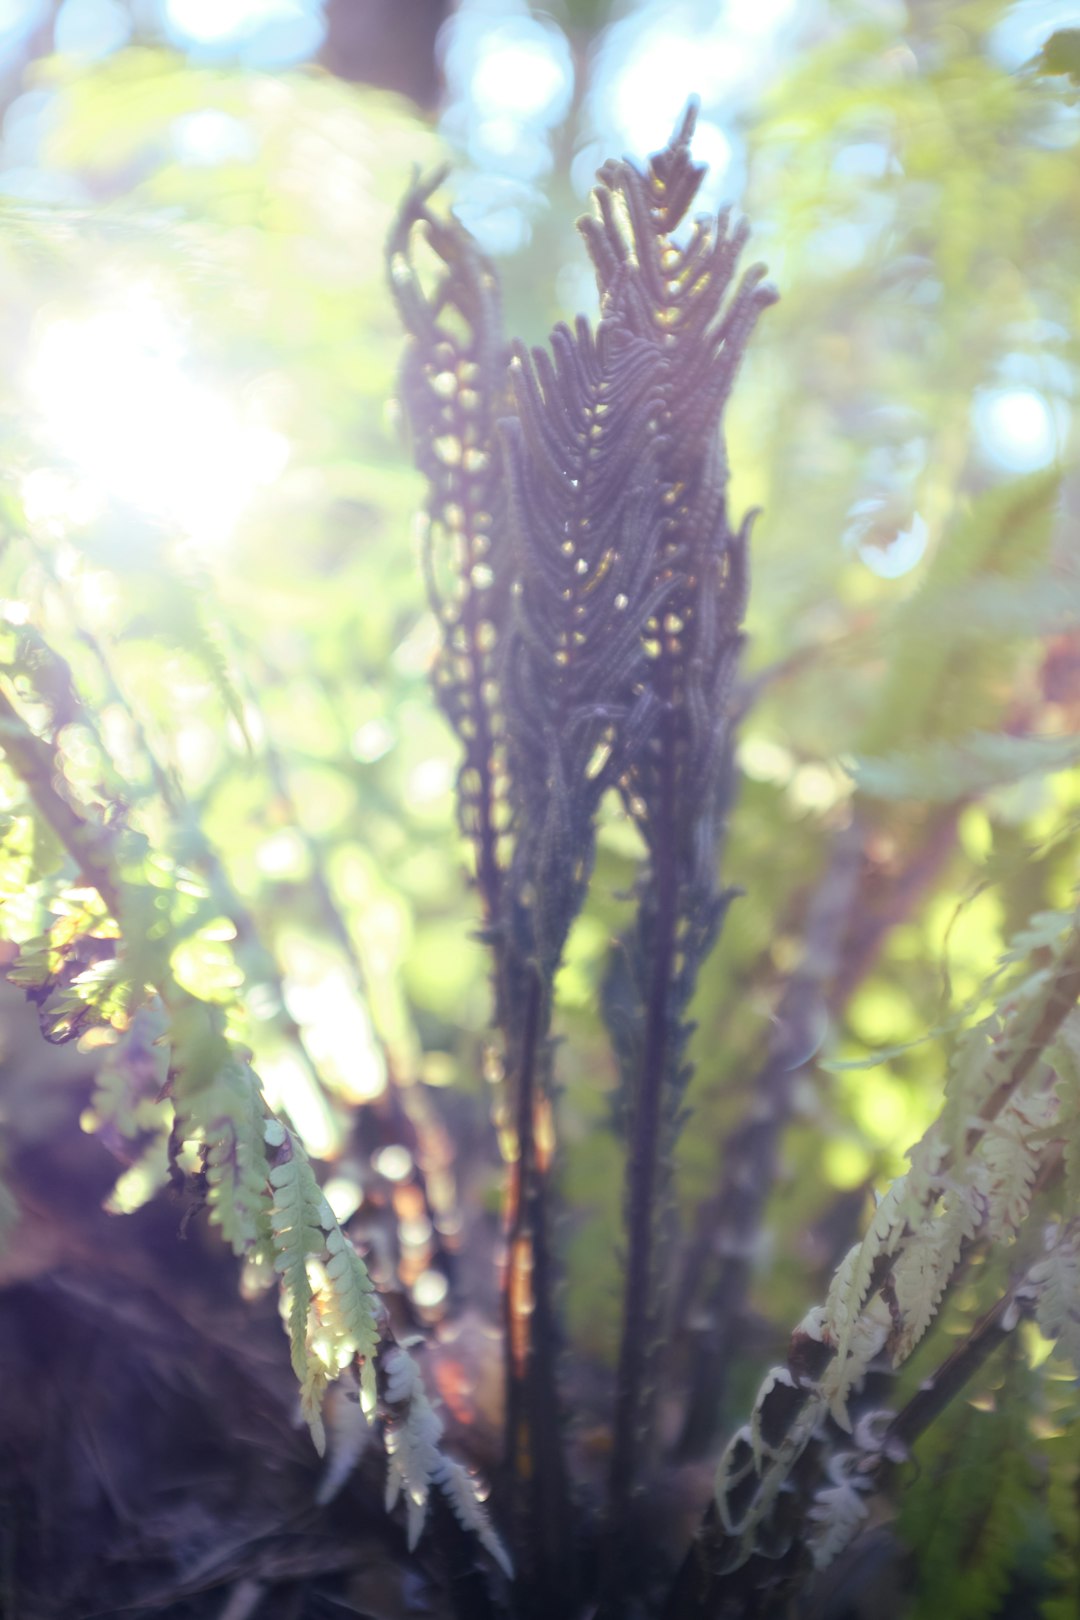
921	1274
1011	1156
415	1462
940	772
853	1280
313	1387
1057	1278
295	1221
1004	535
233	1131
352	1315
1065	1060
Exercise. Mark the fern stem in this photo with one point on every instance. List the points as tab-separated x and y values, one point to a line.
35	762
641	1174
533	1430
480	754
516	1356
730	1221
955	1372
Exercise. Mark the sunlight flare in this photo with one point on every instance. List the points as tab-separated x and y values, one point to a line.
117	398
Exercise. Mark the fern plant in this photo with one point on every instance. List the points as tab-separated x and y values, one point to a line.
612	670
589	588
174	1070
794	1484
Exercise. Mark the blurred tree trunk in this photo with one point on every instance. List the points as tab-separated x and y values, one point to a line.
390	43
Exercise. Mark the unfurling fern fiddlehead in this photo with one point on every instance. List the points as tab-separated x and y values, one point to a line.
611	589
679	300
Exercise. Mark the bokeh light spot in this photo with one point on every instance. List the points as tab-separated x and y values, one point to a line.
522	70
430	1289
18	18
209	137
91	28
265	33
393	1162
650	89
846	1163
1016	428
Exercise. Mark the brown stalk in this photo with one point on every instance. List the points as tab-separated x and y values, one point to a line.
536	1469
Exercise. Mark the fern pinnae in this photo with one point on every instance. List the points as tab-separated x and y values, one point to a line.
454	388
926	1264
354	1316
295	1221
347	1431
1064	1058
1012	1163
237	1174
416	1463
865	1262
1057	1281
838	1509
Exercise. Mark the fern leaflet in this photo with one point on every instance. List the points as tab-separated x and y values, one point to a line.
415	1462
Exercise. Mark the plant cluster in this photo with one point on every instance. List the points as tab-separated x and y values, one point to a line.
590	629
589	589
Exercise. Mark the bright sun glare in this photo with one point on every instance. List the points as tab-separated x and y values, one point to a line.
117	400
1018	428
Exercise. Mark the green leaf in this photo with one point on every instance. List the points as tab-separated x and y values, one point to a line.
966	1510
353	1293
295	1221
1061	54
236	1168
1058	1280
945	771
940	674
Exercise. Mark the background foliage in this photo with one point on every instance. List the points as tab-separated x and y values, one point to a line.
207	507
